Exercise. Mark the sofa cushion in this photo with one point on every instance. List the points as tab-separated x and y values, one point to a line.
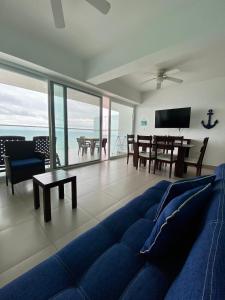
180	186
25	163
111	273
176	221
151	282
69	294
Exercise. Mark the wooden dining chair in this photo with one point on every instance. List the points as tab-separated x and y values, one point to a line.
197	162
147	153
130	146
167	156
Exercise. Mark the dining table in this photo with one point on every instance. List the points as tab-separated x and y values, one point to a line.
182	153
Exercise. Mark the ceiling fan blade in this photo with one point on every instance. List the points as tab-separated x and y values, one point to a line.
57	12
177	80
159	84
102	5
151	79
172	71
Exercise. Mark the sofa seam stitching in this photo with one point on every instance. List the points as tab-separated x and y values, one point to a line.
211	246
214	259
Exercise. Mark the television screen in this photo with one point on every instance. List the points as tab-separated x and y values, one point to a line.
173	118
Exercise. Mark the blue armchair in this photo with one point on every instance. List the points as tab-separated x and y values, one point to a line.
22	162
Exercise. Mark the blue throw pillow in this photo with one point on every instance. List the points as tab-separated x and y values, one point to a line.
175	222
179	187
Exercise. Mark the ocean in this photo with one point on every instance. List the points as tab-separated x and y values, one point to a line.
118	141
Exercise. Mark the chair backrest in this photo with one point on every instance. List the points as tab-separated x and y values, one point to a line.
166	144
159	142
20	149
202	151
130	138
42	144
104	141
170	141
144	141
130	141
4	139
80	141
177	139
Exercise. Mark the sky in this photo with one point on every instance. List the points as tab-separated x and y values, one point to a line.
19	106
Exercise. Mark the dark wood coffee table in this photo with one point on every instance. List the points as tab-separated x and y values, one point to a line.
53	179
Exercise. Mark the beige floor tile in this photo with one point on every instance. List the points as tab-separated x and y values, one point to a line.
13	214
26	265
64	220
96	202
19	242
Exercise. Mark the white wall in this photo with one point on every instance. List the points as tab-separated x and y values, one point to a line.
200	96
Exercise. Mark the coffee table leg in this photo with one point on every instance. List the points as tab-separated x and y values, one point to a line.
61	191
74	192
47	204
36	195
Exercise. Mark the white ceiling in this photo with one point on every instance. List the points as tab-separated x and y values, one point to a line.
114	51
88	32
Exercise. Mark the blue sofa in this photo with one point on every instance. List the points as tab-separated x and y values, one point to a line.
105	262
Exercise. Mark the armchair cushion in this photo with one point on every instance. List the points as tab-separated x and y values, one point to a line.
23	163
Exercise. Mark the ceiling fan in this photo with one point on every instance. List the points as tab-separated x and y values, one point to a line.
102	5
163	75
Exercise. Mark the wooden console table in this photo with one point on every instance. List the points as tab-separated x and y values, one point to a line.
49	180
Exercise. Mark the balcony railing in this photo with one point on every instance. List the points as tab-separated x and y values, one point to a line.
118	139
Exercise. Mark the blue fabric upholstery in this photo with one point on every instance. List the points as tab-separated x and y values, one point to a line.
23	163
176	221
178	187
105	262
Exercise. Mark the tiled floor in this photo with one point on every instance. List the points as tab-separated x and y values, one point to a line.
26	240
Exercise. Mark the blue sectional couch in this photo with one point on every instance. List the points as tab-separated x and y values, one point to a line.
105	262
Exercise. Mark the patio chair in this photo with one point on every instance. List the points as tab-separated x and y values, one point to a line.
4	139
42	144
104	142
82	145
22	161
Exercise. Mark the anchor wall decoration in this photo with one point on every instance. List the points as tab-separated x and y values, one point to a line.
209	125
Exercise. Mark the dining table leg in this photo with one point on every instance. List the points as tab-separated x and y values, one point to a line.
179	165
135	156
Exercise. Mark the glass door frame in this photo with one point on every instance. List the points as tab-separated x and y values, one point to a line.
52	125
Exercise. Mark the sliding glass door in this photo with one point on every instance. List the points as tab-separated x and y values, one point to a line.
121	125
23	110
76	126
83	111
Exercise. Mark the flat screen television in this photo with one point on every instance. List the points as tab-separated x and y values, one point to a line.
173	118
